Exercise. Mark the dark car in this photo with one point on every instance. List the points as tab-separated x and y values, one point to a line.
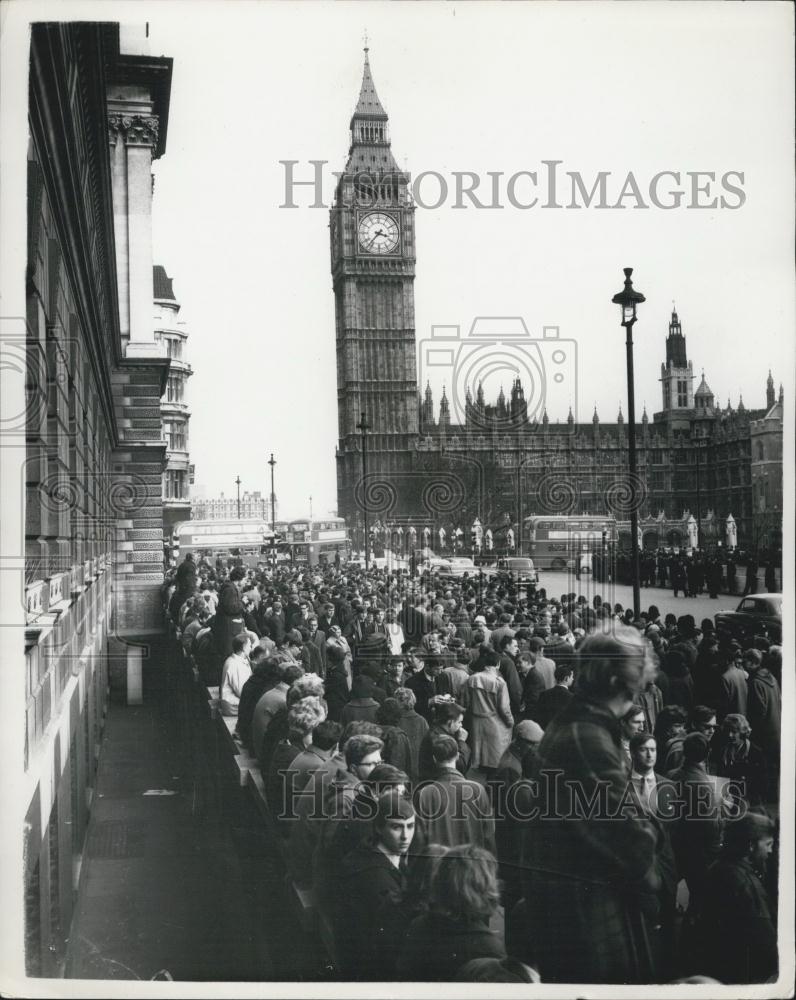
757	614
518	570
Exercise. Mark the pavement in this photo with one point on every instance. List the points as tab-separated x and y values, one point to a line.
702	606
161	887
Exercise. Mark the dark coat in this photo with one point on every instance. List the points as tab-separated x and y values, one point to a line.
696	836
336	690
311	659
508	826
278	776
533	687
325	622
465	631
746	769
736	933
415	624
369	920
680	691
275	626
437	947
228	619
650	700
550	703
764	711
559	650
229	600
356	632
599	872
424	690
415	727
453	811
254	688
359	709
508	671
293	615
397	749
337	810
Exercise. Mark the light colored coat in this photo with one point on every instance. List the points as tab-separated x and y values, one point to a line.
489	718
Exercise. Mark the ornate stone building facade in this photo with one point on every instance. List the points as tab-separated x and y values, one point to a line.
502	462
373	269
170	332
766	448
254	504
82	568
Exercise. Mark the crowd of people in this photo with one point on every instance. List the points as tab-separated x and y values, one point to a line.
486	783
694	572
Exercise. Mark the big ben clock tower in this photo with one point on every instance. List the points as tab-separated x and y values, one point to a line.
373	270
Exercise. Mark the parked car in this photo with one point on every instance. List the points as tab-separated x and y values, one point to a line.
757	614
518	569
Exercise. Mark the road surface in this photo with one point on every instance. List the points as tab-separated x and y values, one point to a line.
557	583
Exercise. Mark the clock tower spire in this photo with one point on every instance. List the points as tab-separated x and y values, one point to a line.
373	270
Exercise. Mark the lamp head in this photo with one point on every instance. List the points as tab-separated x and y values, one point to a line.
628	299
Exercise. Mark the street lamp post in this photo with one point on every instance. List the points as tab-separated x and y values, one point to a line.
363	427
237	483
628	299
272	463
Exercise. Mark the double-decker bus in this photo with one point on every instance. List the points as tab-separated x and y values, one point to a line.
247	541
569	542
317	542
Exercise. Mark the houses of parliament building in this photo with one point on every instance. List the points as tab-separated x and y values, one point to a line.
500	462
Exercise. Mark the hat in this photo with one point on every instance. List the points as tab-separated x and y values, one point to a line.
529	731
479	620
687	625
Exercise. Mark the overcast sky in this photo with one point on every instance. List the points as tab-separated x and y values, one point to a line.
469	87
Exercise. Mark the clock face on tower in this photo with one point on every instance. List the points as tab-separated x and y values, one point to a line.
378	233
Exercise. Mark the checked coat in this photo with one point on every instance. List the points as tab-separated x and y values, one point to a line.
594	865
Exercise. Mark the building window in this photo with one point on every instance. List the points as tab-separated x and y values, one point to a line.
761	452
667	395
682	392
173	347
175	484
175	436
174	390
